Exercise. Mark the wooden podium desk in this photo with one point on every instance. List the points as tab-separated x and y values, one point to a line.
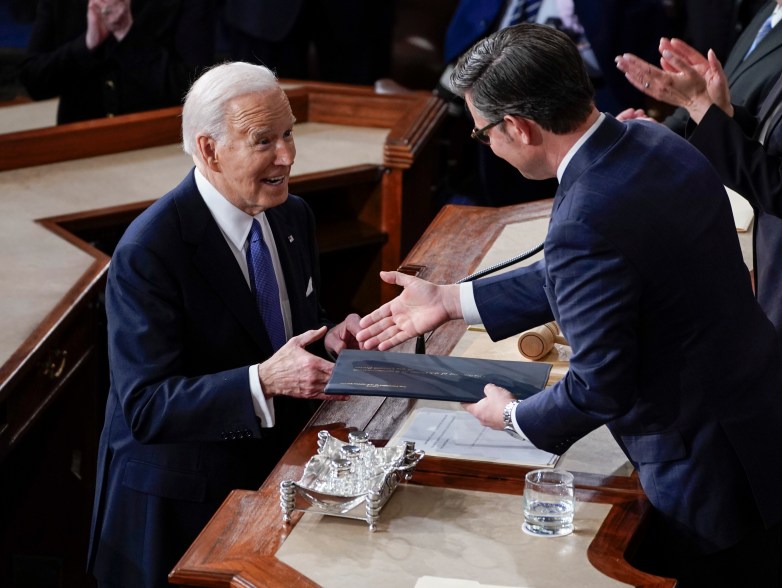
366	165
239	546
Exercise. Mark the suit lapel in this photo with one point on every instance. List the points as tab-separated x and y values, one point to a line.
213	258
287	251
770	101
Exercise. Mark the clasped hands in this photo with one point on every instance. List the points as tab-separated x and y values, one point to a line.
686	78
107	17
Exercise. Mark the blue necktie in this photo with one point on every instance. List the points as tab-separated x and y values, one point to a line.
522	11
264	285
762	32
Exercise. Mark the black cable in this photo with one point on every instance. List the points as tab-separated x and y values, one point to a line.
420	342
503	264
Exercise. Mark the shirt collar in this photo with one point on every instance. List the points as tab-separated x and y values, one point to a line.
234	223
577	145
776	15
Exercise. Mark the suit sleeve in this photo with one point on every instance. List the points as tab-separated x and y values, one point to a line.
742	163
596	292
512	302
164	399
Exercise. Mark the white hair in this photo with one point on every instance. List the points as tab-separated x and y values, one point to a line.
204	110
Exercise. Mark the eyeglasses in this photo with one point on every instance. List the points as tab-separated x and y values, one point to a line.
480	134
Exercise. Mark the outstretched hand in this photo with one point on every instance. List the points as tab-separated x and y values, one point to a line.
421	307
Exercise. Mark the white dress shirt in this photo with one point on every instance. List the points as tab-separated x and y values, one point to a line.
235	225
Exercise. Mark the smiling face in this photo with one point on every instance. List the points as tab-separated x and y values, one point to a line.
251	164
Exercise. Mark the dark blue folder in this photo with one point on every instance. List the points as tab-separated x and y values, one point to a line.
433	377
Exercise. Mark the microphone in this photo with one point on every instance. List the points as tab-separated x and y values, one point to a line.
420	342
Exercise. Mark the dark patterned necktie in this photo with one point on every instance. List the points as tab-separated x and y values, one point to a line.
264	285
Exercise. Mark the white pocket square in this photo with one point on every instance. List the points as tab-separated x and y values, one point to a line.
309	287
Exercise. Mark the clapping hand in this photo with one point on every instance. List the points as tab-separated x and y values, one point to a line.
107	17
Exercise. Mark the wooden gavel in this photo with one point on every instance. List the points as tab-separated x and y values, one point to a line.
536	343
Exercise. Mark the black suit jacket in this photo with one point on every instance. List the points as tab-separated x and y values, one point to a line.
152	67
180	429
755	172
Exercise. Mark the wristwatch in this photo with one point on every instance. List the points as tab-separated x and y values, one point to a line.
507	419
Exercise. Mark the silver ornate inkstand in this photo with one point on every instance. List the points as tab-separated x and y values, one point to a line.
341	478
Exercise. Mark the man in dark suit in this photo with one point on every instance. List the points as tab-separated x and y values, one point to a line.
204	397
109	57
644	274
745	149
749	76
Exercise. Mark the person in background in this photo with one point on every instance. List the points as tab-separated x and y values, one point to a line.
670	349
599	29
217	340
751	66
744	149
710	24
346	41
108	57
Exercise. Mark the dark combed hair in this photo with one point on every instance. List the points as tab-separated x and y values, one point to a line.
527	70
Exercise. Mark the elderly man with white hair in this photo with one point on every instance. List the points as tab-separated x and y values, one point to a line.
216	335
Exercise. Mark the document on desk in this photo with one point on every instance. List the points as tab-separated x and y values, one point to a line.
455	433
742	210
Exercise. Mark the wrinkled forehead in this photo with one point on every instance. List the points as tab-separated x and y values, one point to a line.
260	110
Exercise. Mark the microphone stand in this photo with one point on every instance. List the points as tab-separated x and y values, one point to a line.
420	342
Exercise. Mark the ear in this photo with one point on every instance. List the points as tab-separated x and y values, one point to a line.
207	150
521	128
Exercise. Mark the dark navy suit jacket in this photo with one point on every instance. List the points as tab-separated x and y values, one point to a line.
644	273
180	430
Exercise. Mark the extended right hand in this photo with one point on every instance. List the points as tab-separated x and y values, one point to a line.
421	307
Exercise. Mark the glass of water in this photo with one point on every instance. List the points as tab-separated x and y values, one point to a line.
549	503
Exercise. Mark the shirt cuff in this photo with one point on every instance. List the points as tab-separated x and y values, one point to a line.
263	407
516	423
469	307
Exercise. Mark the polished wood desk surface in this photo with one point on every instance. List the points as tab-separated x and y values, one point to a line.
238	546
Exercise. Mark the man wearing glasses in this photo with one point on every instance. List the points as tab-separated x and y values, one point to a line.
644	274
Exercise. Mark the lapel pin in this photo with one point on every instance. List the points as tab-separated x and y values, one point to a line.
290	238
